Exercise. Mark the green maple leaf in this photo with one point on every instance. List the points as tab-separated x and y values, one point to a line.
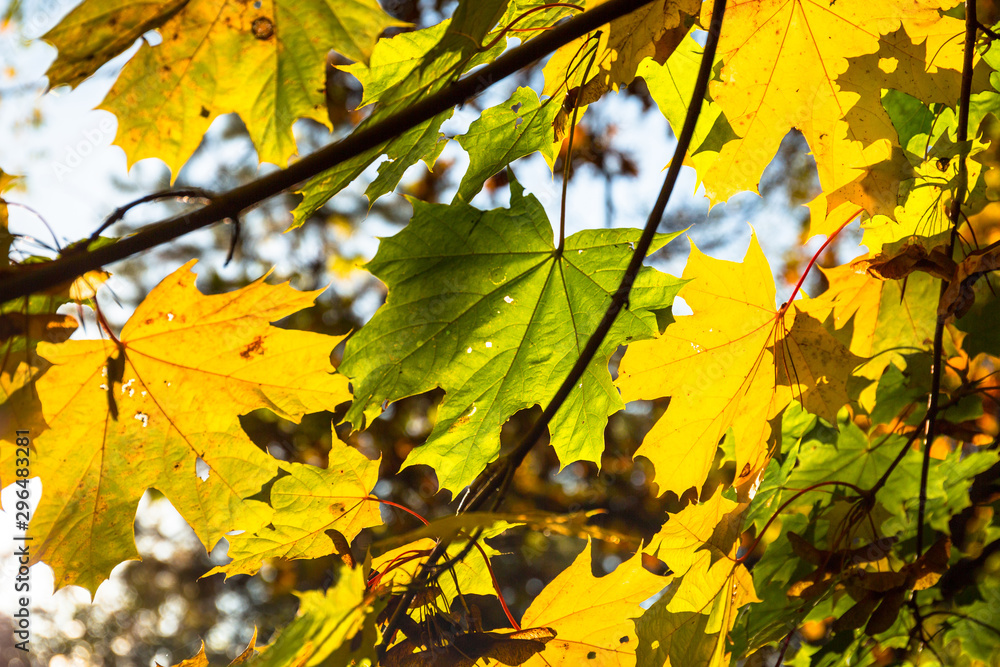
481	305
309	502
402	70
851	457
516	128
264	61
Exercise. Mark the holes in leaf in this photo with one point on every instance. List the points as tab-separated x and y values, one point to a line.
263	28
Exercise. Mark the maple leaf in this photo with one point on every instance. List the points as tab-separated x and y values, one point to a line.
518	127
781	60
690	623
592	616
735	363
671	85
687	626
651	31
332	627
925	60
713	525
201	659
24	323
880	318
167	95
402	70
307	502
815	365
469	292
131	416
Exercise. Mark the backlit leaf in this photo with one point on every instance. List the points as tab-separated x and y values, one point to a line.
158	383
307	502
513	129
469	291
167	95
717	367
592	616
333	627
780	63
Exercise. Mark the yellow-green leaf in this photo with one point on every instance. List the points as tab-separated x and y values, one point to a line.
163	406
263	60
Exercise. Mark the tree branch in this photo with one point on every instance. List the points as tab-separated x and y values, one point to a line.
39	277
955	215
497	478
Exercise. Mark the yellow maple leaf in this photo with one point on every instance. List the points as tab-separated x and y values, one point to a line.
781	60
160	410
592	616
263	60
717	368
652	31
720	368
925	60
201	659
697	527
689	624
883	318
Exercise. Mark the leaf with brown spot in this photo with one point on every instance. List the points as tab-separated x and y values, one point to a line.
178	400
168	95
592	615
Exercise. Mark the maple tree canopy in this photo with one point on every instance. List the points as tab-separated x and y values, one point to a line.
827	464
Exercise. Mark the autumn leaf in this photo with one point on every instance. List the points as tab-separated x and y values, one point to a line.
671	85
815	365
167	95
717	367
462	311
959	297
24	323
689	625
881	318
780	66
592	616
201	659
402	70
712	526
333	627
307	502
651	31
158	381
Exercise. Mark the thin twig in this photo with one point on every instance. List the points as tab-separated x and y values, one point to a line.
119	213
955	215
568	164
